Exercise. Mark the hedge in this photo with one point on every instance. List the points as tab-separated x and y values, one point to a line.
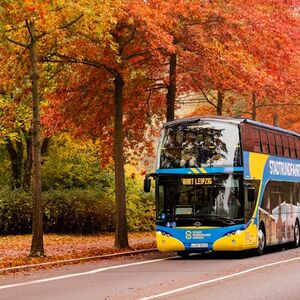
78	211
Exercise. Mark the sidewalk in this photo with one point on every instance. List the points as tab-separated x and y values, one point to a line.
14	250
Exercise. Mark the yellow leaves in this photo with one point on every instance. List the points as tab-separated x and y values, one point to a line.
132	172
99	16
13	117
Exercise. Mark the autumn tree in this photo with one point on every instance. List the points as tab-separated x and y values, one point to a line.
28	26
231	47
37	248
112	100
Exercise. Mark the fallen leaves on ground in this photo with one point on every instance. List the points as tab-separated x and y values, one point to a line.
14	250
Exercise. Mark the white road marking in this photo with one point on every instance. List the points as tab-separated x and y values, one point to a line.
83	273
218	279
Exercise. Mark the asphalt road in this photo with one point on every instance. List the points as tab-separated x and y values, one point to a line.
275	275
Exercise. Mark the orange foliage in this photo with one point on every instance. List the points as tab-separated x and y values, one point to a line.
233	45
84	98
14	249
288	114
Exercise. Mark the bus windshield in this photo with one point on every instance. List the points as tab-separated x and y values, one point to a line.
217	197
200	144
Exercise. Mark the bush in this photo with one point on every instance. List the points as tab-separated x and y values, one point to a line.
15	211
79	211
78	196
70	164
140	208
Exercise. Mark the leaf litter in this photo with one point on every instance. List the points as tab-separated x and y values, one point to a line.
14	249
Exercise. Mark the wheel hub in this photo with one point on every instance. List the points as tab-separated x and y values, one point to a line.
261	240
297	236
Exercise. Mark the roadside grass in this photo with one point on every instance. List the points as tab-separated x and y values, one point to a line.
14	249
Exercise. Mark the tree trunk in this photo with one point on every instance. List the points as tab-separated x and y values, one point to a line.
37	245
16	158
220	103
121	236
171	94
28	162
45	145
276	120
254	108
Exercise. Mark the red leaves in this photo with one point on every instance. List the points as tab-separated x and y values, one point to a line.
226	45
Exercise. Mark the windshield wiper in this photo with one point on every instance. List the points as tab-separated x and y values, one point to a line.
226	220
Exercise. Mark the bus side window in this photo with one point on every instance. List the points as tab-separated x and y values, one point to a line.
286	149
298	147
272	147
278	141
264	141
256	141
247	137
292	147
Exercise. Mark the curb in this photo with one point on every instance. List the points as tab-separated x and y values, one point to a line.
17	268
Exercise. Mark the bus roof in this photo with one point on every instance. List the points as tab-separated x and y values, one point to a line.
228	120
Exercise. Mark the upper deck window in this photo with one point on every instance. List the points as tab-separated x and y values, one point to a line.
200	144
269	141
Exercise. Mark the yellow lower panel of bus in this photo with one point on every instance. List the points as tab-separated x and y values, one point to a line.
239	240
168	243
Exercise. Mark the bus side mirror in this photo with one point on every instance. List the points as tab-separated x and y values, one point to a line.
147	185
251	194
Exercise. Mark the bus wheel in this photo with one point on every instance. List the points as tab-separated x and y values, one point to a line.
296	235
183	254
261	241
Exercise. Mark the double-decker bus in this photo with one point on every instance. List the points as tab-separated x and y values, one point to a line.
226	184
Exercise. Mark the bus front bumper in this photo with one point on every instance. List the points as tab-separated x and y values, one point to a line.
202	240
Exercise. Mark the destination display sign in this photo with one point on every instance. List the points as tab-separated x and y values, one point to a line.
197	181
284	168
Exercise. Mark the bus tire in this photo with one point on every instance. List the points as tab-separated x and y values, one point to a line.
183	254
296	235
261	240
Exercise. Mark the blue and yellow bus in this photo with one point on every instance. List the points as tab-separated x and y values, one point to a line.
226	184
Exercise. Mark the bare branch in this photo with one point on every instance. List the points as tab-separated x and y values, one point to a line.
41	35
65	26
203	93
207	99
128	40
29	30
17	43
133	55
69	59
141	61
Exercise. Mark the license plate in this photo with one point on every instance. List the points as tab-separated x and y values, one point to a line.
199	245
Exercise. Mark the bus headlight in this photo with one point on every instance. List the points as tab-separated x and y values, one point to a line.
234	232
165	234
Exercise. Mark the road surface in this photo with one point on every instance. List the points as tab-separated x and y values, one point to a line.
275	275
